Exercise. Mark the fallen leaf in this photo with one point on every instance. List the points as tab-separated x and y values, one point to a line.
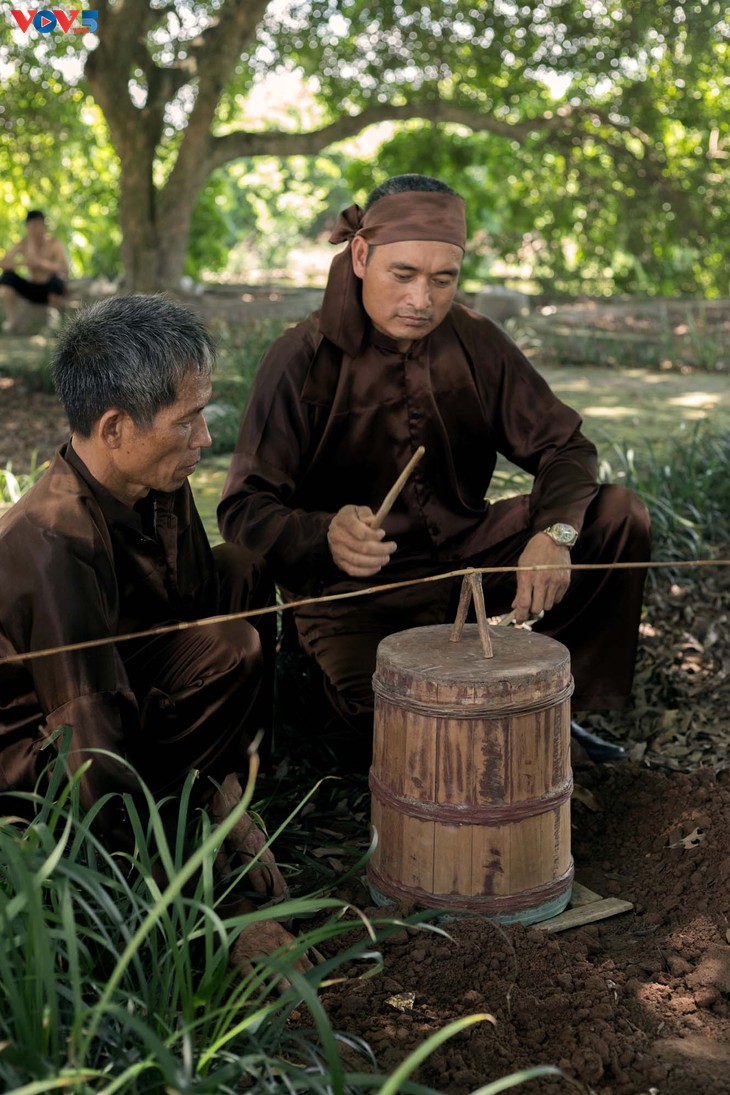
582	794
402	1001
691	840
669	719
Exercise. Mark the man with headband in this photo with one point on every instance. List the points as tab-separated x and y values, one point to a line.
339	405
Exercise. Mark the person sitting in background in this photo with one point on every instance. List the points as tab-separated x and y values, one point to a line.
46	264
343	400
109	542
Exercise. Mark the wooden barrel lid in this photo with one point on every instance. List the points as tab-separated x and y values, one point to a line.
423	670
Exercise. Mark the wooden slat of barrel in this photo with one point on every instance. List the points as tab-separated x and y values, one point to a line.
470	794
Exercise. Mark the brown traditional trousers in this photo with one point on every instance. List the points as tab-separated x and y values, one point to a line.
598	619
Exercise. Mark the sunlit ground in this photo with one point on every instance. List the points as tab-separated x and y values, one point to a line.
207	485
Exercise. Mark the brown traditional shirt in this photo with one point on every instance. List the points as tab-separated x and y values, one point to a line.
323	429
78	564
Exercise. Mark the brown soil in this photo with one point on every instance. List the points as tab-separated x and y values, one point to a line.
638	1004
32	421
635	1004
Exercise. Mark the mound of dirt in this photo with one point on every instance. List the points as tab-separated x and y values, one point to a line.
638	1004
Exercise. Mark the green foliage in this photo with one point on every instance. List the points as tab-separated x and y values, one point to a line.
55	155
210	242
579	215
686	486
113	981
239	351
591	140
628	196
265	208
13	486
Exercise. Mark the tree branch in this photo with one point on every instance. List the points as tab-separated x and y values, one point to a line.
218	48
122	31
215	53
240	144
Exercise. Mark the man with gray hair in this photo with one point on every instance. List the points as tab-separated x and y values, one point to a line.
109	542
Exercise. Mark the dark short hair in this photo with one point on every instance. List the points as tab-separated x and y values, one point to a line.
35	215
131	353
403	184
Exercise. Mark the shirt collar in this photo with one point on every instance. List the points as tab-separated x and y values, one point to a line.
115	511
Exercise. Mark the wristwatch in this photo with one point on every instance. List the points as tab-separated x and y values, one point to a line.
565	535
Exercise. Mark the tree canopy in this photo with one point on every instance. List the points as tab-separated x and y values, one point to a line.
589	136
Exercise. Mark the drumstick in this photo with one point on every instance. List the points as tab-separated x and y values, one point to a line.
396	488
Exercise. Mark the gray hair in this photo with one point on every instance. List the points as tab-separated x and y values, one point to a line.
403	184
131	353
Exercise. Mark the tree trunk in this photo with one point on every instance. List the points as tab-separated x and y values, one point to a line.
156	222
154	260
154	231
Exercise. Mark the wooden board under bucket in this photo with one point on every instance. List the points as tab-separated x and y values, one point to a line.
471	776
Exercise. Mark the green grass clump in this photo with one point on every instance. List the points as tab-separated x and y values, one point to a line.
685	484
239	351
13	485
113	981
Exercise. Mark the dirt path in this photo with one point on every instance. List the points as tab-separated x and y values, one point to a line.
31	422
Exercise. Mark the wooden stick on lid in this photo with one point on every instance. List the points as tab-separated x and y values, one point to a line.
396	488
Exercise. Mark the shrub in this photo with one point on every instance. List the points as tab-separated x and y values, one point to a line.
240	348
111	983
686	485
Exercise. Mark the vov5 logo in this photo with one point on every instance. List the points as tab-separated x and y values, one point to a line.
46	20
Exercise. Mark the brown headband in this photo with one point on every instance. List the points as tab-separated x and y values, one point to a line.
413	215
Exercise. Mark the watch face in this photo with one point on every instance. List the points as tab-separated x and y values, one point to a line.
564	534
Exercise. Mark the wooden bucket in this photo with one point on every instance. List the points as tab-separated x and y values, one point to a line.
471	776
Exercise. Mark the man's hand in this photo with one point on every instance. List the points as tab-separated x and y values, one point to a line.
35	259
539	590
10	259
357	548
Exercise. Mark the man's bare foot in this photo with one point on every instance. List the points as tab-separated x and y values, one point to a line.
263	938
246	842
